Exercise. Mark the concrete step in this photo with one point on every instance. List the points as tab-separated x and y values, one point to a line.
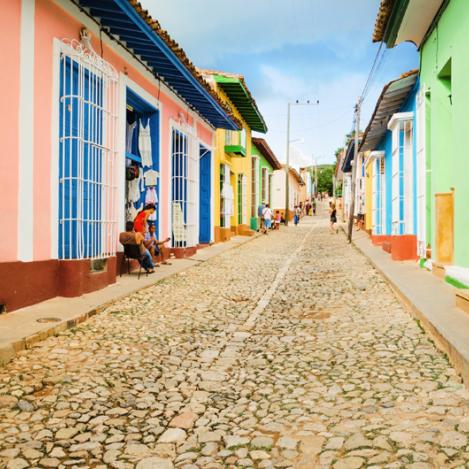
462	301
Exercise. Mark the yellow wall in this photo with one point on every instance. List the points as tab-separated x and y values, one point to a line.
237	164
368	195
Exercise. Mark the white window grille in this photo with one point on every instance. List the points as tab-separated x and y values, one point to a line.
226	196
254	185
421	175
244	199
87	154
397	139
265	186
374	193
231	137
184	189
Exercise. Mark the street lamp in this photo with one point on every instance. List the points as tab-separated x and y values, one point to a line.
287	166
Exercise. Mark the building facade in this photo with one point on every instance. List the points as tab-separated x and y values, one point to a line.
279	188
389	140
264	163
233	170
440	33
107	114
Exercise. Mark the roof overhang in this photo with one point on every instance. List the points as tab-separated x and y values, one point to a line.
130	25
392	98
235	88
405	20
266	152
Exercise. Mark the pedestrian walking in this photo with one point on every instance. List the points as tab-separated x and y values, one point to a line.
333	218
314	206
267	215
296	217
260	211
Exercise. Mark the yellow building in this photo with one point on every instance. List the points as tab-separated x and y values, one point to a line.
235	203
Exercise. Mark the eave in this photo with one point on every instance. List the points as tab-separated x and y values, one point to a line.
131	26
392	97
266	152
406	21
239	95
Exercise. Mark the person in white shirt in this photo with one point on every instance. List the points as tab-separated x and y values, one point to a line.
267	215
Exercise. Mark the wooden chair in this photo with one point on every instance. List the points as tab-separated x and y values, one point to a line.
131	252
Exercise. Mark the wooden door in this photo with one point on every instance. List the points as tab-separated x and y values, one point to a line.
444	212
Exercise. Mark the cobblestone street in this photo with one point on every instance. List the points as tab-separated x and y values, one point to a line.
287	352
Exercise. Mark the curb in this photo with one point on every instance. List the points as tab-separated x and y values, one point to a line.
9	352
457	360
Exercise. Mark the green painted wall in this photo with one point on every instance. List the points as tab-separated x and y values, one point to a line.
445	72
263	163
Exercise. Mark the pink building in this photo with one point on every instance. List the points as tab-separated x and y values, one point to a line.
101	112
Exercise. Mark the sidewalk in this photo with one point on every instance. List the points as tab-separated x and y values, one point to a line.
431	301
22	328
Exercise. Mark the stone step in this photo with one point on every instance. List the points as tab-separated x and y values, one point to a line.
438	270
462	301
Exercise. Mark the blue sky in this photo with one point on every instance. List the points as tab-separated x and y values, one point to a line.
289	50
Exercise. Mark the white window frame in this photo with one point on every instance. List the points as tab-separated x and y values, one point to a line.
106	151
373	162
421	174
402	223
191	182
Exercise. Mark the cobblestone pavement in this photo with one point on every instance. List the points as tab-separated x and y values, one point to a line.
288	352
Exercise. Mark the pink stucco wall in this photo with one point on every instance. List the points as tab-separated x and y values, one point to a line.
9	122
53	22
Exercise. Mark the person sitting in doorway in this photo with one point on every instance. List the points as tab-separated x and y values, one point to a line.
130	236
156	248
277	220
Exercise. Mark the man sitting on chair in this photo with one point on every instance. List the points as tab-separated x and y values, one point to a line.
130	237
156	248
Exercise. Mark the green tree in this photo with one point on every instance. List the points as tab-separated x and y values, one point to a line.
325	175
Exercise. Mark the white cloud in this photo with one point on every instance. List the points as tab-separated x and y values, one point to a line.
258	25
322	127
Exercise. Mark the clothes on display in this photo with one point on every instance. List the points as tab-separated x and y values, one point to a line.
129	137
228	194
150	196
135	189
144	143
151	177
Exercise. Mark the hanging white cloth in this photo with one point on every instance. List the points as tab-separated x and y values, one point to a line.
150	196
151	177
129	136
144	144
135	189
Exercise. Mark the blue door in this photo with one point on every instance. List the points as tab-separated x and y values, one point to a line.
205	167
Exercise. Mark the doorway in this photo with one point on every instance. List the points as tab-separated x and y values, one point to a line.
444	213
205	195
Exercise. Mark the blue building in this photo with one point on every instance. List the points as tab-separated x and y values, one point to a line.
389	142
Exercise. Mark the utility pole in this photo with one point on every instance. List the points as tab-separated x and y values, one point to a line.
354	169
287	165
287	169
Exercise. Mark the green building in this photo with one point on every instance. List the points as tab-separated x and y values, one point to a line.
264	163
440	31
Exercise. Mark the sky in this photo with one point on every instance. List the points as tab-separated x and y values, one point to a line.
289	50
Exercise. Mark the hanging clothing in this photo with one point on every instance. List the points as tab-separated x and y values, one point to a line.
132	212
151	177
144	144
130	136
135	189
150	196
